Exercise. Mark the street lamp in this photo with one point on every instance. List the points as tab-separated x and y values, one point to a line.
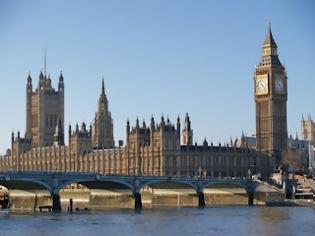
249	173
199	170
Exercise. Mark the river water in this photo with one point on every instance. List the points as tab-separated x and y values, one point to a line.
236	220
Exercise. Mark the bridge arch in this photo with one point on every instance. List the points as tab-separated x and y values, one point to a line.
248	187
26	184
191	184
229	183
160	181
90	183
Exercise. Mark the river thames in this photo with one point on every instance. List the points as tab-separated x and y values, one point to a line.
239	220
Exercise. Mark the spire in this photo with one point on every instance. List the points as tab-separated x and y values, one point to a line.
178	123
60	84
269	38
103	103
58	136
48	81
29	78
162	120
128	126
60	77
187	122
12	137
41	76
269	52
103	87
69	130
152	123
45	62
205	142
29	83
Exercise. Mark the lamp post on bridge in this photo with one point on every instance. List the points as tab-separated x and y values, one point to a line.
250	191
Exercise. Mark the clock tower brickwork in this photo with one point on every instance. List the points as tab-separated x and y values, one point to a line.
270	85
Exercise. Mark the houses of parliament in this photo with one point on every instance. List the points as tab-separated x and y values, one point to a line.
156	148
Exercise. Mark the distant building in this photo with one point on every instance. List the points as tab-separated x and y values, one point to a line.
298	153
308	129
248	142
308	134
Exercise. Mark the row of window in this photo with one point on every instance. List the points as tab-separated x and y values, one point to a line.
51	120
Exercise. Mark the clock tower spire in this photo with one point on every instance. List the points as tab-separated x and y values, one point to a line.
270	85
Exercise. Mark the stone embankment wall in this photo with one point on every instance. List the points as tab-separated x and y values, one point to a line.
123	199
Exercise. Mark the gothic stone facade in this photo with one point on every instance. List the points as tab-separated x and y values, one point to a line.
154	150
44	107
308	129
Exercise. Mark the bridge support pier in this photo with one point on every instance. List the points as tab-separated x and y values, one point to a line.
56	204
138	201
250	198
201	199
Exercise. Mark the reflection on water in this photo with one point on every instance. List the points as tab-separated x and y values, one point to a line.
175	221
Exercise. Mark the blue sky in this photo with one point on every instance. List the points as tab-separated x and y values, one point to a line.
157	57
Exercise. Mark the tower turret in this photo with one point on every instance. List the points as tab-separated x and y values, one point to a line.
152	124
61	85
187	132
77	128
59	135
137	123
12	138
29	90
29	82
162	121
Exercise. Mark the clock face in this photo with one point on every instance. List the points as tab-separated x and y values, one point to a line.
279	86
261	84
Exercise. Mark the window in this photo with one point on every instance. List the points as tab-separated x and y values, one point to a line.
47	120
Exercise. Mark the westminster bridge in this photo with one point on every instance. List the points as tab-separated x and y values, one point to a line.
55	181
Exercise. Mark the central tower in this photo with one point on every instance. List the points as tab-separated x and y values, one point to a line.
103	136
270	83
44	109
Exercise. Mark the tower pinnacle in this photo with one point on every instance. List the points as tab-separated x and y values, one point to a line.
269	41
45	62
103	87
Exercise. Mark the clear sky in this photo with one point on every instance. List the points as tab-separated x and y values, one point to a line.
157	57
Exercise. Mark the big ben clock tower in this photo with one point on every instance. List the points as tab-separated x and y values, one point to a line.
270	83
